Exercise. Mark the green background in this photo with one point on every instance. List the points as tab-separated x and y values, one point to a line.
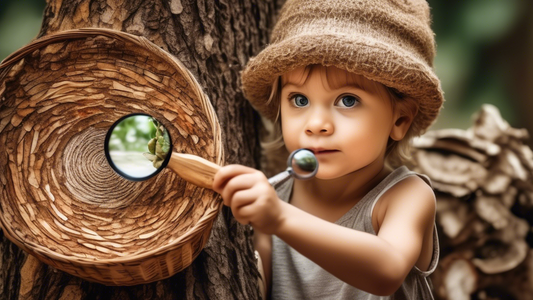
485	54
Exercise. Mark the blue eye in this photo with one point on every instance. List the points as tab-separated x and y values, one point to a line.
300	101
348	101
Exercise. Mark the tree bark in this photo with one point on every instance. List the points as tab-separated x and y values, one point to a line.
214	40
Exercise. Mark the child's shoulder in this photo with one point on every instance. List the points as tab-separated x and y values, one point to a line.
411	195
411	187
402	183
412	190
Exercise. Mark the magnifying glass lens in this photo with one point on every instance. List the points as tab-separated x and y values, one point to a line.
302	164
137	147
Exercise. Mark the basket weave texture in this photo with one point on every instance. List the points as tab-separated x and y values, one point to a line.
59	199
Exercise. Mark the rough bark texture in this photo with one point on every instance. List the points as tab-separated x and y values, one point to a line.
213	39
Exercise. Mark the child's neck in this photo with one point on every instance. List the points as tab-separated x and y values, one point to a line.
330	199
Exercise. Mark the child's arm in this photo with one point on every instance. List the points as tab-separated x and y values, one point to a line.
376	264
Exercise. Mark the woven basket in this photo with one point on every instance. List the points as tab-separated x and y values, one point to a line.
59	199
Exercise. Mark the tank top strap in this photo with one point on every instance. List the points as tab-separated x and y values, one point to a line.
391	180
395	177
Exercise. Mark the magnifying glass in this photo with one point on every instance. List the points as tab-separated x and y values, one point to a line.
138	147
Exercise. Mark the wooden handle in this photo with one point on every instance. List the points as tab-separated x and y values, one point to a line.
194	169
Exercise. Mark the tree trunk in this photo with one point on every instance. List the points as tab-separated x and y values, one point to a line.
214	40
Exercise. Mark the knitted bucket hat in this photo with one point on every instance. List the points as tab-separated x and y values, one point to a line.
388	41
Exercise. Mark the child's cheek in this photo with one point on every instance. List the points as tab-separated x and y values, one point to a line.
291	133
291	142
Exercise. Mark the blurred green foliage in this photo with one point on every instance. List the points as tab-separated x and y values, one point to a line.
20	21
473	39
132	134
484	53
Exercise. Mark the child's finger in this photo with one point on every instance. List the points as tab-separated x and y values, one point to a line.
226	173
252	205
234	185
243	198
240	201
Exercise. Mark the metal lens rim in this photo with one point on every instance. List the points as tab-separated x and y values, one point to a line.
298	176
115	168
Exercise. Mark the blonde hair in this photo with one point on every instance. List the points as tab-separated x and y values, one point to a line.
397	152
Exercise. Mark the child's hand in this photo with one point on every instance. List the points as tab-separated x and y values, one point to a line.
250	196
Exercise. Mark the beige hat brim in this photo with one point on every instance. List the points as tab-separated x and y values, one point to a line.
375	60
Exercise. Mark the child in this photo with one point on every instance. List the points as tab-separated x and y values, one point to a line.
352	81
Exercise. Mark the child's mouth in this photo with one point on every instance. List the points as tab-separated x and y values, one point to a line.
323	151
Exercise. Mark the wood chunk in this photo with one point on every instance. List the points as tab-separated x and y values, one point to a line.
460	280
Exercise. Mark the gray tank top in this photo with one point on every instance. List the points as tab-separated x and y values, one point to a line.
296	277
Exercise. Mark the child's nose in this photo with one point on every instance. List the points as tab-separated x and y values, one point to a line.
321	123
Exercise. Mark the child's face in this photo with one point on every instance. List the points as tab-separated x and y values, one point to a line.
347	127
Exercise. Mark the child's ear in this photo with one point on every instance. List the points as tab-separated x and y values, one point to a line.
400	127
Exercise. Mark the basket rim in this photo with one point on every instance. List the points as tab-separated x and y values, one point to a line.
211	210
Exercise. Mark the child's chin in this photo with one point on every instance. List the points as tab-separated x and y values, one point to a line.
327	175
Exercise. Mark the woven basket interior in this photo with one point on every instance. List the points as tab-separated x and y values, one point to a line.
58	195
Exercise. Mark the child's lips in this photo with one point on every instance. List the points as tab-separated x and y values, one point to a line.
321	151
